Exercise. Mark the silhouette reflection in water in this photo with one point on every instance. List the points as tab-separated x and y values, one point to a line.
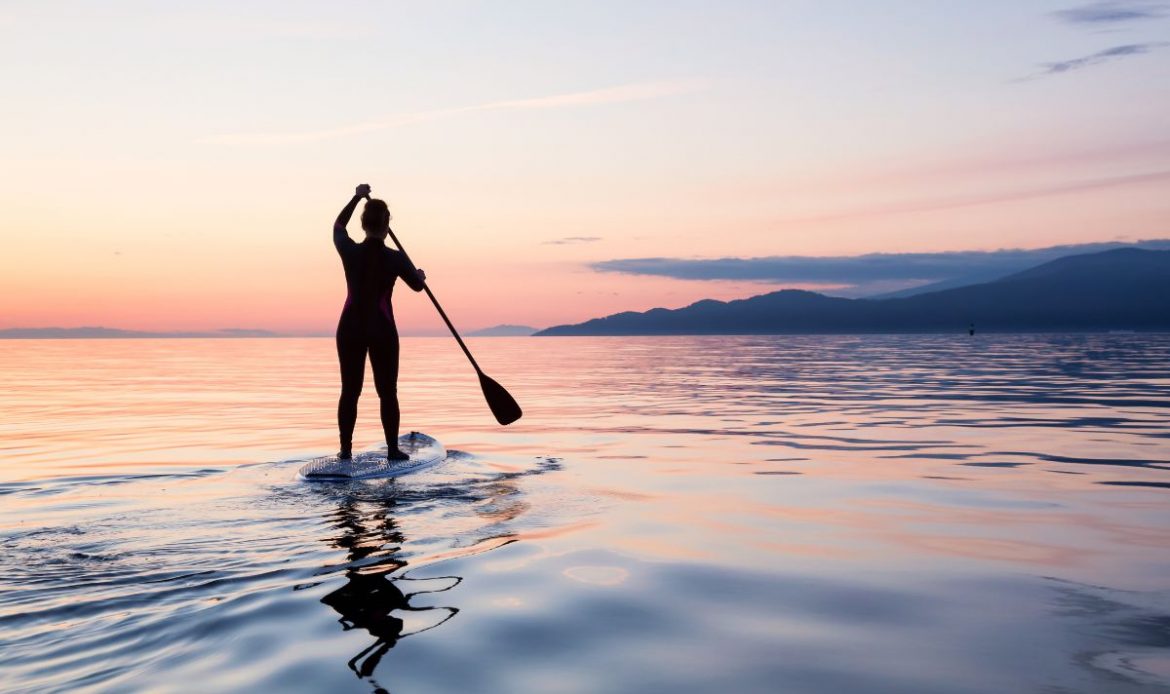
477	513
370	597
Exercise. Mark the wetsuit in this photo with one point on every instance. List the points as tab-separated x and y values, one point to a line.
367	326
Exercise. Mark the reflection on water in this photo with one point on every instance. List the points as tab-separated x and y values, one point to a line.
369	598
750	514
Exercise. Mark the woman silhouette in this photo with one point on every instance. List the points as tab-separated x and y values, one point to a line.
367	319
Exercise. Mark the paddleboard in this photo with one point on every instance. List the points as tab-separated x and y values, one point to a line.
423	450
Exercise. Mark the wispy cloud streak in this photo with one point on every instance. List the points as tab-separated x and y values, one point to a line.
859	270
1107	55
1114	12
609	95
572	239
993	198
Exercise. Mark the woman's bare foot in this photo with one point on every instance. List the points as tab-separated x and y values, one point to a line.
397	455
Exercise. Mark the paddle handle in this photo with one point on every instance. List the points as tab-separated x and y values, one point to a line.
442	313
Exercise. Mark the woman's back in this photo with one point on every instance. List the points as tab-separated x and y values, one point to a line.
370	271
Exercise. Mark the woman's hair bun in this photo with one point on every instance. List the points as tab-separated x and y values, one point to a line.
375	215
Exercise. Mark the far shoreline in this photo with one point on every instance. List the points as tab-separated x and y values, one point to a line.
957	333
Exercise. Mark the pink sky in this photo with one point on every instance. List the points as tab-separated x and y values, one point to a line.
194	187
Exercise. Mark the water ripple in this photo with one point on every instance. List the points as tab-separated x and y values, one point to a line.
954	515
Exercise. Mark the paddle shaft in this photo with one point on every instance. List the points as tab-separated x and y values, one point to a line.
442	313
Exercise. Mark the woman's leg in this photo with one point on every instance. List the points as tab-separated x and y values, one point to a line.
384	359
351	355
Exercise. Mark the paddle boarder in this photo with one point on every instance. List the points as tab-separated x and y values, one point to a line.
367	325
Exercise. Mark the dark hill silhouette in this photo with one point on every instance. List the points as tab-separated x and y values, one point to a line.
1121	289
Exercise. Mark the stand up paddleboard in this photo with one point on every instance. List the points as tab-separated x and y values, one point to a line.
422	449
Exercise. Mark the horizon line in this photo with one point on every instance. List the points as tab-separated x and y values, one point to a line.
75	333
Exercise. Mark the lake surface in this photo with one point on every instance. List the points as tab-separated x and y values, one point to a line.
720	514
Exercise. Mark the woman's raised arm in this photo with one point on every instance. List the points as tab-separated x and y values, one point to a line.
340	235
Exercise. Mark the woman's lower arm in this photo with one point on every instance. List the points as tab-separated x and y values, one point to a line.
346	213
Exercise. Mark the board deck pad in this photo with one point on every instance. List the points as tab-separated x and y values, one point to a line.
422	449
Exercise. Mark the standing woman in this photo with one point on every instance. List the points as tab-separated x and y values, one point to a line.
367	319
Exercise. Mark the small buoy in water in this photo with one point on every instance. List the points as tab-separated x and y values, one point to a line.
971	329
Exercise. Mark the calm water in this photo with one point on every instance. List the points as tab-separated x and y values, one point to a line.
746	514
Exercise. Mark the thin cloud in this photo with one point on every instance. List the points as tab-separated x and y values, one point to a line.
1107	55
572	239
990	198
861	271
609	95
1113	12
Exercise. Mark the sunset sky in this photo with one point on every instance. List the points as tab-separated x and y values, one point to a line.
177	166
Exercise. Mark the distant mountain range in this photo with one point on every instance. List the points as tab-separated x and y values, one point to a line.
505	330
1121	289
1010	262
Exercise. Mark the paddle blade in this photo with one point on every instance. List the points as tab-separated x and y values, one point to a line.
503	405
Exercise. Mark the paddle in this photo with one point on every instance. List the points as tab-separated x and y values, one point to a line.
501	402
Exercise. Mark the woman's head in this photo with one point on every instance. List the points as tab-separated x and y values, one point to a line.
376	218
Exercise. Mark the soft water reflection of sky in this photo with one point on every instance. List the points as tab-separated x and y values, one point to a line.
880	513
